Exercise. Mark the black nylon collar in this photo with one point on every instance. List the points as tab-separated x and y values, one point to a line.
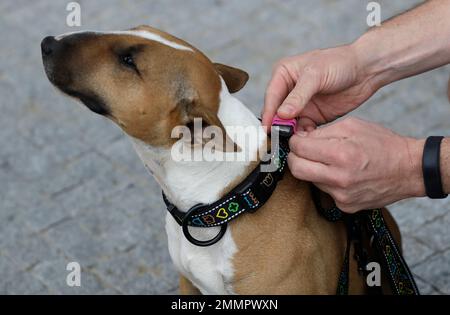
250	195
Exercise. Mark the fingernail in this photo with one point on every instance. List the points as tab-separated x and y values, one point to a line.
286	109
301	133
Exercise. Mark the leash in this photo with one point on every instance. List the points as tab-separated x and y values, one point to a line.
388	254
257	188
400	277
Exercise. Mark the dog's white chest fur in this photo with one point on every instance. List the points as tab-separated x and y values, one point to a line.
210	269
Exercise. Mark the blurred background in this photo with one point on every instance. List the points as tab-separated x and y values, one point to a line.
72	188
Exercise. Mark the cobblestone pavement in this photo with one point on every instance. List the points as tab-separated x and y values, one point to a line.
72	188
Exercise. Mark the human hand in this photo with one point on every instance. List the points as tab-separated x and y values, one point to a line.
318	86
360	164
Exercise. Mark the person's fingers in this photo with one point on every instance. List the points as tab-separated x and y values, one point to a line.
304	90
276	92
306	124
321	150
347	207
310	128
325	188
336	129
308	170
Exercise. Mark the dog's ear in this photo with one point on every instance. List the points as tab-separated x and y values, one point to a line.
234	78
213	131
141	27
191	109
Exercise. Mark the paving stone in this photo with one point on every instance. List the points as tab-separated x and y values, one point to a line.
123	153
424	288
414	213
145	285
24	283
141	199
8	271
29	250
42	216
76	172
435	274
13	200
436	233
93	191
54	274
77	243
122	267
155	253
114	227
143	269
109	291
415	251
13	279
12	229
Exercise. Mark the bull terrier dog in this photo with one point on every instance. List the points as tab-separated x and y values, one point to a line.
149	82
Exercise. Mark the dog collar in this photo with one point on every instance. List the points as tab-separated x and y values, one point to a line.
250	195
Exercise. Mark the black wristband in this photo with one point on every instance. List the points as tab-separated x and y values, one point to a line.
431	168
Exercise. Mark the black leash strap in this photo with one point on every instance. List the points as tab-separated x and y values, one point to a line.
400	277
343	281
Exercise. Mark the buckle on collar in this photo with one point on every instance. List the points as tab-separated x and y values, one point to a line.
286	127
193	240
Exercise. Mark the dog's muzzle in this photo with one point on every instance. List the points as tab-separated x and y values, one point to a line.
55	55
48	46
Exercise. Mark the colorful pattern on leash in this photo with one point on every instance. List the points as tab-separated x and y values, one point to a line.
400	277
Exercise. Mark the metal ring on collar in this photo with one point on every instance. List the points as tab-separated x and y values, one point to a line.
190	238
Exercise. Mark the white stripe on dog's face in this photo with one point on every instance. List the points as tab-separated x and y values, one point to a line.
138	33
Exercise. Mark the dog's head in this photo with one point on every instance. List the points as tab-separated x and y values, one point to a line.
145	80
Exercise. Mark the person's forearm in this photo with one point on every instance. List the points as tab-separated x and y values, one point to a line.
445	165
409	44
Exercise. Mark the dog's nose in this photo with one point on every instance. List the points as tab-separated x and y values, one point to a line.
48	45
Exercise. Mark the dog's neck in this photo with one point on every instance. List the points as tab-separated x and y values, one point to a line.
188	183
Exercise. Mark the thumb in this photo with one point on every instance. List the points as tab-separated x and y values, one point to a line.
302	93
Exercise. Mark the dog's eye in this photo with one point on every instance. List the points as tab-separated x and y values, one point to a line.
128	61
